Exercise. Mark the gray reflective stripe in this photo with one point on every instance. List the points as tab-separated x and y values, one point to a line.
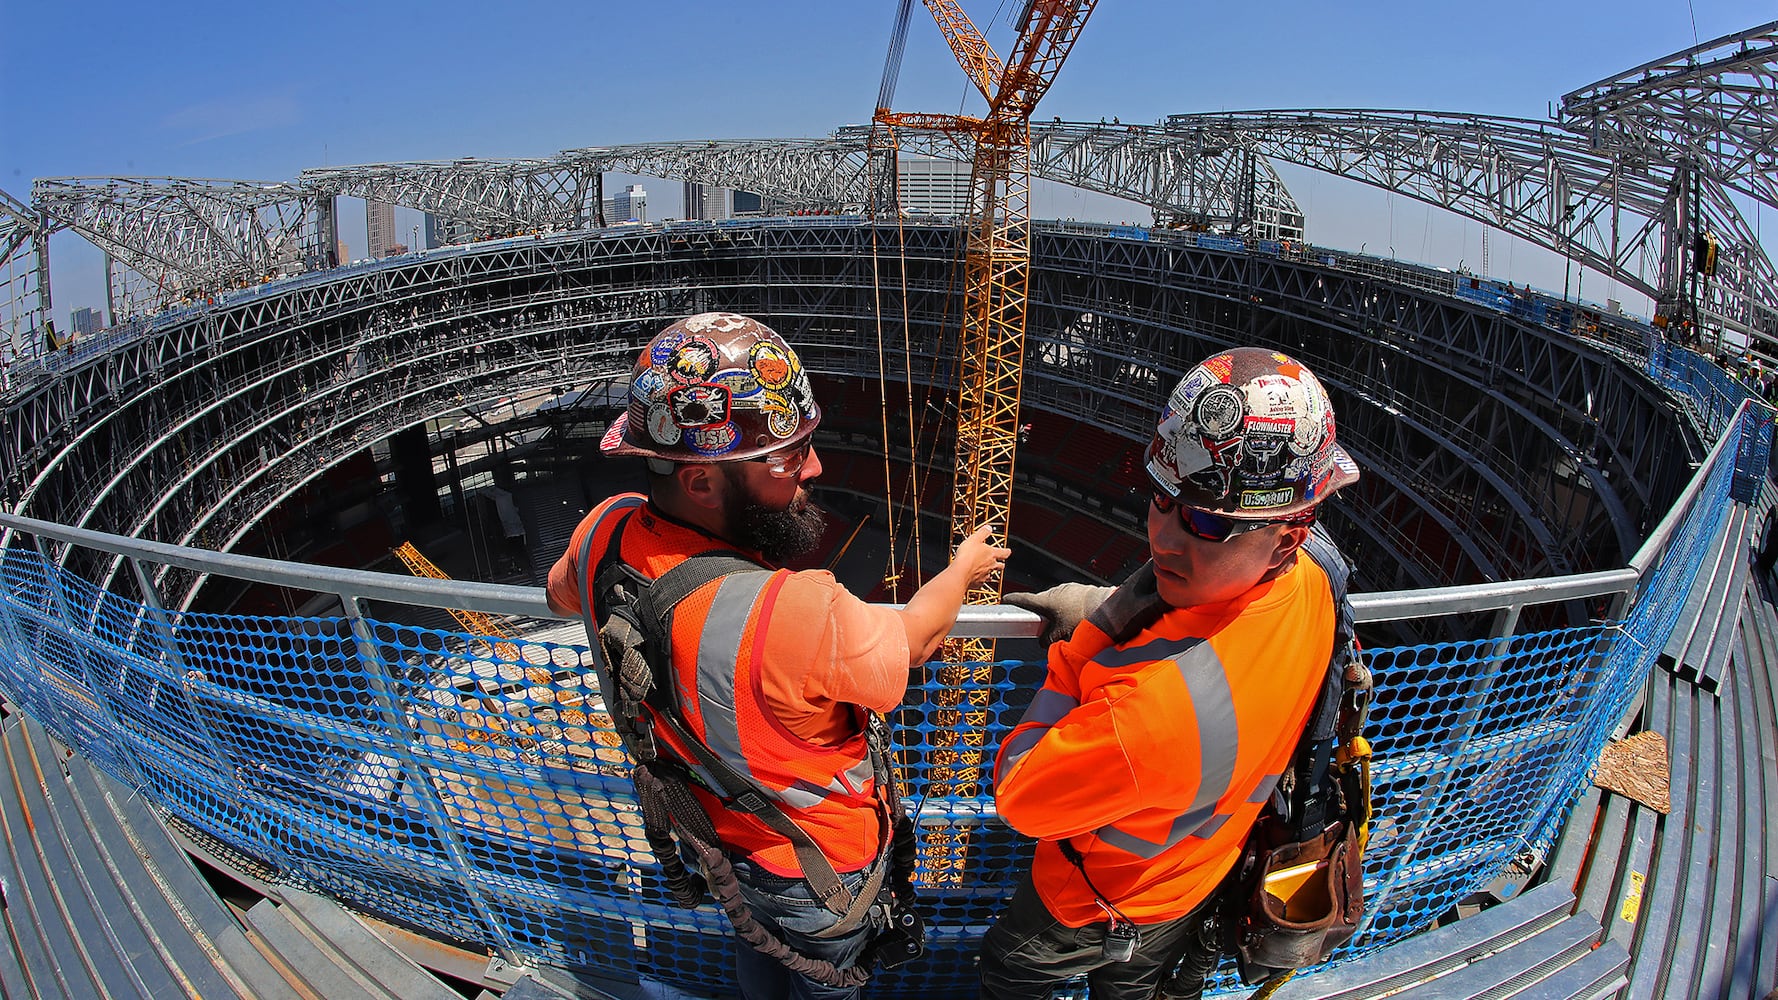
1264	791
719	649
802	794
1193	824
856	775
1219	736
1045	710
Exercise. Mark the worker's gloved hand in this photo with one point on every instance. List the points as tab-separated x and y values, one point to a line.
1061	607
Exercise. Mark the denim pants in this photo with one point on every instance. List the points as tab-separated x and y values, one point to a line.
788	908
1028	953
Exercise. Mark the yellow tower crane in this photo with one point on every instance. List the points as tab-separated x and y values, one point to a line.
997	265
473	622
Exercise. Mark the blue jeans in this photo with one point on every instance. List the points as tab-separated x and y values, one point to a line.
788	909
1028	953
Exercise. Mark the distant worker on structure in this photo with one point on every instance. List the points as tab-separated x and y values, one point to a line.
1169	714
765	681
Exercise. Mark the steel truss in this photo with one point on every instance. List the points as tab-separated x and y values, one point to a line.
187	237
24	284
1492	450
1637	166
1623	212
1713	103
476	199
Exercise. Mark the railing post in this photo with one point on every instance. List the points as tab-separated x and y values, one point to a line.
401	739
226	767
1506	621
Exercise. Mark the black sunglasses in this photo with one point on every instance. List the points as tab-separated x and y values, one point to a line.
1209	526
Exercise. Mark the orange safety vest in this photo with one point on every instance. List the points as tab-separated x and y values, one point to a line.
1153	755
725	635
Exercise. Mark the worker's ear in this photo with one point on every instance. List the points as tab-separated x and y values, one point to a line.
701	483
1289	541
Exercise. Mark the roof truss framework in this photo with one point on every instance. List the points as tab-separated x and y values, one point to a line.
1635	166
480	198
1714	102
184	235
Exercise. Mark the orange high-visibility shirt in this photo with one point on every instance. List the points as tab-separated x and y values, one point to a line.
1154	756
775	687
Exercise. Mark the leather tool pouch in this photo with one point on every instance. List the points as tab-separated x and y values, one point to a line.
1306	900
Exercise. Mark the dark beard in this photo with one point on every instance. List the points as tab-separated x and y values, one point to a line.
779	535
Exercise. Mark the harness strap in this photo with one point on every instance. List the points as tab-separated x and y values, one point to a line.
1339	711
652	619
674	796
657	605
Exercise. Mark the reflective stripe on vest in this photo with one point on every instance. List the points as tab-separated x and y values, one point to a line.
1219	736
719	656
1045	710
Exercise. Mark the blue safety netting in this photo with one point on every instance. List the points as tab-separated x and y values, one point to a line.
474	788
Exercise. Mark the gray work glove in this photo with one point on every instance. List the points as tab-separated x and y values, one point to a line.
1061	607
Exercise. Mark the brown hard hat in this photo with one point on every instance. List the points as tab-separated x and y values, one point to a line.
715	387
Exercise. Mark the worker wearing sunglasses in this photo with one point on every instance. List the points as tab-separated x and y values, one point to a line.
1175	701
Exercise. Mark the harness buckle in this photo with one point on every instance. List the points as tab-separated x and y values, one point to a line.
750	802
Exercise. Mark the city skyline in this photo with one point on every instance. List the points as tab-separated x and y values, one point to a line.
253	107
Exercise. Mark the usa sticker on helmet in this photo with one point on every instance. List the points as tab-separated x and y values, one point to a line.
718	440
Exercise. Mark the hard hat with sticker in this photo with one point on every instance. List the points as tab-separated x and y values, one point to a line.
1249	433
715	387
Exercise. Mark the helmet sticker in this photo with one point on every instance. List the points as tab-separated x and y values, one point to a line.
803	393
771	366
717	440
740	384
1221	366
781	416
613	436
716	322
1260	500
661	426
699	405
662	351
648	387
1218	411
695	360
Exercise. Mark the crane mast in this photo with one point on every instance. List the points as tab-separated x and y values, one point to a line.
997	265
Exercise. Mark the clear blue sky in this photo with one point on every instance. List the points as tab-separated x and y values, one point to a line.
262	91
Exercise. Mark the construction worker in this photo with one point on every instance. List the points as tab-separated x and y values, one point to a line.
1171	710
773	671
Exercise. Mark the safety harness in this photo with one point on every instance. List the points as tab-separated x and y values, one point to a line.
632	658
1316	820
1297	892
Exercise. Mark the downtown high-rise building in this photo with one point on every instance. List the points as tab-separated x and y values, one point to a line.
703	201
379	229
86	320
629	205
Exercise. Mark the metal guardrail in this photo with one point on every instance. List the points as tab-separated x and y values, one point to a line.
417	772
